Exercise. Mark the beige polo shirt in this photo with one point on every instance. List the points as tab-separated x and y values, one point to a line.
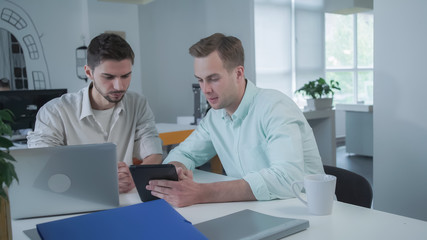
69	120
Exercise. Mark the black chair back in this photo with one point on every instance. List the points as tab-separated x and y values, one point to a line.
351	187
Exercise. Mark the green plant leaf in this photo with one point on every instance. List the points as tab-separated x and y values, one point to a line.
3	194
319	88
3	170
9	174
6	115
7	169
5	129
5	143
6	155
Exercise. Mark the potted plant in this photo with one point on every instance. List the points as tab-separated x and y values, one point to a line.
321	93
7	172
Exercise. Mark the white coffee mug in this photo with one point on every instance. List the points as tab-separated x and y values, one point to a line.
320	192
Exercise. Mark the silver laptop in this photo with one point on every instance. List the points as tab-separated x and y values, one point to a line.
63	180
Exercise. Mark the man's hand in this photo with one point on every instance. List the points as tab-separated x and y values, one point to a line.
181	193
186	192
125	178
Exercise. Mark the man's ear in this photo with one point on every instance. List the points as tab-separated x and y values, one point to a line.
89	72
240	73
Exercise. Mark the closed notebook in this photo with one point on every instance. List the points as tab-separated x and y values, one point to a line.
248	224
151	220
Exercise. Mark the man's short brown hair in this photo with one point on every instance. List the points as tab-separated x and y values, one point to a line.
108	46
229	48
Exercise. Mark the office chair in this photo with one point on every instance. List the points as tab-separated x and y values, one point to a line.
351	187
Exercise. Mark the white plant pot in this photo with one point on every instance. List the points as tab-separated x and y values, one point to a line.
319	104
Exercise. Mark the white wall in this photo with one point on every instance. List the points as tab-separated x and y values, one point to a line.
105	16
61	25
400	116
168	28
234	18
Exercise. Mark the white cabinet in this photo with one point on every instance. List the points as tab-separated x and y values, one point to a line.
359	128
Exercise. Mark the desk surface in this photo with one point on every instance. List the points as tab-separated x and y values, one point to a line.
346	222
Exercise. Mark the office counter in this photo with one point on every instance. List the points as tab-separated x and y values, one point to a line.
359	128
346	222
323	124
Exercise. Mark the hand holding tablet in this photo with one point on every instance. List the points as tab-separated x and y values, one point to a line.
142	174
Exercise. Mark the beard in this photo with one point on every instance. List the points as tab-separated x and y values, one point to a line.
107	97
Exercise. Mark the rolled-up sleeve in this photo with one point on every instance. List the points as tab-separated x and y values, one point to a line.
47	131
147	141
286	165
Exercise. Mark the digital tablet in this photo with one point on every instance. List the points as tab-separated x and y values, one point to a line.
142	174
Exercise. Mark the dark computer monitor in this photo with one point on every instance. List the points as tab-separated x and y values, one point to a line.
25	104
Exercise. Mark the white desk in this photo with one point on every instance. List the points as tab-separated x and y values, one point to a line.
346	222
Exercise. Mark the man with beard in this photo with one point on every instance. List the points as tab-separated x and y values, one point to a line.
104	111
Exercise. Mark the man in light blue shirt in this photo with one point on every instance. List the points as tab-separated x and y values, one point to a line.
260	136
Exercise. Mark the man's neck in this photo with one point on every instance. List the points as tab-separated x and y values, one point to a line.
242	91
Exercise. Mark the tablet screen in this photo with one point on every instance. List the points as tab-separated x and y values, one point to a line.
142	174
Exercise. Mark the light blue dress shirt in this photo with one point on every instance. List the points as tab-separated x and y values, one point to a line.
267	142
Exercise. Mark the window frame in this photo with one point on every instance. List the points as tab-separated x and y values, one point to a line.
355	69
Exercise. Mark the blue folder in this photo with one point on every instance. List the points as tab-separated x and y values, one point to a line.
150	220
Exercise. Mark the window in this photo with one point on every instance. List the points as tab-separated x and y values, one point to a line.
273	45
289	44
349	56
296	42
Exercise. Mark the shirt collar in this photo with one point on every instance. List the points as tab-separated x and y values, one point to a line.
87	107
245	104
